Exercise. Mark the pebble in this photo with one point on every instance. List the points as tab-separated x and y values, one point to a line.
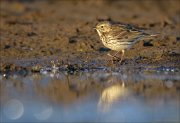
166	69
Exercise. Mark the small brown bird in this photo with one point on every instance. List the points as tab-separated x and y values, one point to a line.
119	37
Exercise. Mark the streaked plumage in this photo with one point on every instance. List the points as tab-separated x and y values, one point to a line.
119	37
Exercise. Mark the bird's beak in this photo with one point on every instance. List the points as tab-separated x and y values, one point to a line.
94	28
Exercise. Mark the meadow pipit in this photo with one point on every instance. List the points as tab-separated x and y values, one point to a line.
119	37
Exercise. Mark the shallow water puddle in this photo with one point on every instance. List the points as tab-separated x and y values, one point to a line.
99	96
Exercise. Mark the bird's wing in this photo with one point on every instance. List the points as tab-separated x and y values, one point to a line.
124	32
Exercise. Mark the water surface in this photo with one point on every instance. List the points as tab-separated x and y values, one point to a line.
96	96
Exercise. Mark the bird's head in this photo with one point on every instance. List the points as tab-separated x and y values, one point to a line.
104	26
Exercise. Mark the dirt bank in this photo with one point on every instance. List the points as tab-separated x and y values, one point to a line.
36	32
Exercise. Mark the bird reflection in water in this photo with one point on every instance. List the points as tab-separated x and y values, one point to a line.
112	95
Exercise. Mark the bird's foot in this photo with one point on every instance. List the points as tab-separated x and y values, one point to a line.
114	57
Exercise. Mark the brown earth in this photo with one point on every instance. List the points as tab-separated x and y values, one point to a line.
36	32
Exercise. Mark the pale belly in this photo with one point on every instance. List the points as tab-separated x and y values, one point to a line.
117	46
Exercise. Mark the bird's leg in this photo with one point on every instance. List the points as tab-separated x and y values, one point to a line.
113	56
122	55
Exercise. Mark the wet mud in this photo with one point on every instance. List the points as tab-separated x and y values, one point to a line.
34	33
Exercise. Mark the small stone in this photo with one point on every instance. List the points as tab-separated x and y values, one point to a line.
72	39
147	44
7	46
36	68
31	34
103	49
152	25
177	38
23	72
42	71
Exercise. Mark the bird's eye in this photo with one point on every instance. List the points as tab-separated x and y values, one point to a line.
101	26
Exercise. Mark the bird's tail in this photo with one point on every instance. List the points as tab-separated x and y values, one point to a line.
151	35
154	35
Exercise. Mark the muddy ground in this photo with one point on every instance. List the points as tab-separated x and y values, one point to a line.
33	33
